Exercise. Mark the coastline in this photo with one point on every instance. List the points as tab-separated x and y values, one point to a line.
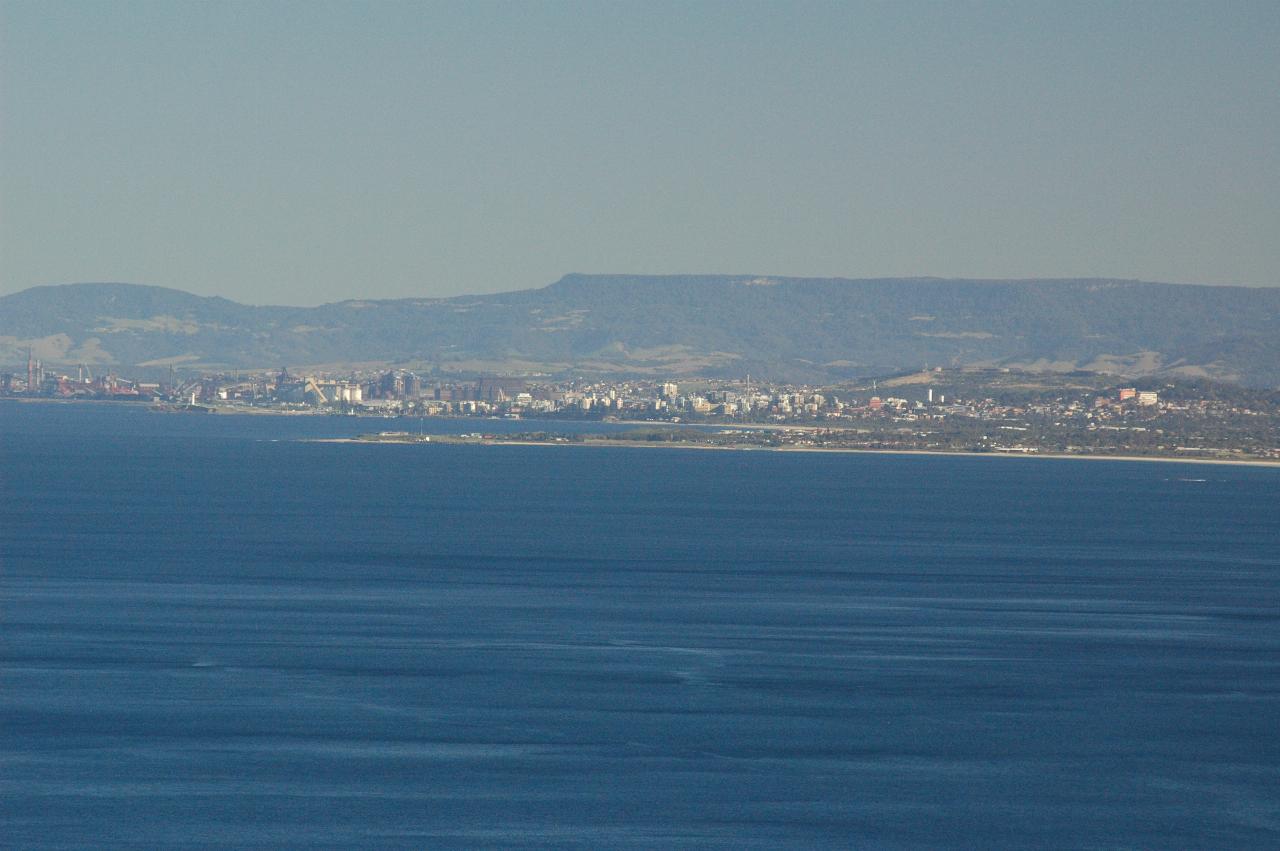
633	444
636	444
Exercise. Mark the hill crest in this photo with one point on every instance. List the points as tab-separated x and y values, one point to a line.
802	329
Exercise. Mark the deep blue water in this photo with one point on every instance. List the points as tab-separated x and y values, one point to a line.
211	638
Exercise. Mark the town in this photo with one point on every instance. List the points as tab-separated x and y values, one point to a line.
969	409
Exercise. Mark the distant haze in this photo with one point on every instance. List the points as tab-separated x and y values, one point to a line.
788	329
305	153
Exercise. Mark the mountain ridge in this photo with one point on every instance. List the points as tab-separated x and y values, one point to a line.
804	329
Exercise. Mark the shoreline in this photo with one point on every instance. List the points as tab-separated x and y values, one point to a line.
635	444
629	444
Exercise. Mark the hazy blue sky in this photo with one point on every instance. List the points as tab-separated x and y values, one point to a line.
301	153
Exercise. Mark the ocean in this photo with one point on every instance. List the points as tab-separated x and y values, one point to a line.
216	635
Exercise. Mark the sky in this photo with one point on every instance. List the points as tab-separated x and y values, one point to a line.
300	153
